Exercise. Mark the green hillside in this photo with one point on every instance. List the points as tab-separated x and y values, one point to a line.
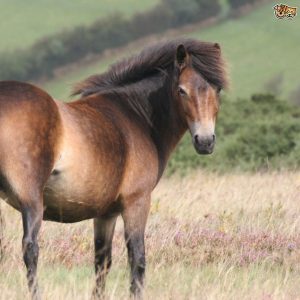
257	46
23	22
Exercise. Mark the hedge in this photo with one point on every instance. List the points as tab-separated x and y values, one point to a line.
66	47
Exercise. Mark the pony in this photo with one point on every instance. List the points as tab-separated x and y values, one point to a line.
101	156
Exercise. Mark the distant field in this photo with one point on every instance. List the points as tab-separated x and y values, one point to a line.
23	22
258	47
208	237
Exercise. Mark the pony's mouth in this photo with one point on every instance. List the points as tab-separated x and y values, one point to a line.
204	150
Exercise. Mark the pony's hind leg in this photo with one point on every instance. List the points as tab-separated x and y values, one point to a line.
30	137
32	215
135	217
103	234
1	234
25	185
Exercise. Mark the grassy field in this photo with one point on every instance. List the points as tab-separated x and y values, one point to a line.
257	46
23	22
208	237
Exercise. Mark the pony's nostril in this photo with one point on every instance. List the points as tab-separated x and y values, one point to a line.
211	141
207	141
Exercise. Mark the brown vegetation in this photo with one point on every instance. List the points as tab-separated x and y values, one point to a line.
209	236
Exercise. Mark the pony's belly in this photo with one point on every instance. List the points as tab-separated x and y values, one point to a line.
66	200
63	205
66	209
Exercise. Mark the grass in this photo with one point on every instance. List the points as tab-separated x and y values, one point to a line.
209	236
257	46
24	22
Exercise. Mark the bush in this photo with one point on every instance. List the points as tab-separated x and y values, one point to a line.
238	3
258	133
295	96
274	84
188	11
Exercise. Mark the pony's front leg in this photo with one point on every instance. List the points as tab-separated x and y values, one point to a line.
135	217
32	215
103	234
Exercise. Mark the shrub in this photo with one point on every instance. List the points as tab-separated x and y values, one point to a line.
274	85
295	96
238	3
188	11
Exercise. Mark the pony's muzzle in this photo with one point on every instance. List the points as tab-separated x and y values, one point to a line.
204	144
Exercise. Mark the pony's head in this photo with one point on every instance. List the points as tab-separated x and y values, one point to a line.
198	101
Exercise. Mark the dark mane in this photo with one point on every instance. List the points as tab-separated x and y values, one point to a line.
134	78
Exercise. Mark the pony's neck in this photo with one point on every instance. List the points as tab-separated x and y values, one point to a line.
168	125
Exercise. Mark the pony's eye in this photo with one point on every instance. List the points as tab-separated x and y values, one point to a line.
219	90
181	91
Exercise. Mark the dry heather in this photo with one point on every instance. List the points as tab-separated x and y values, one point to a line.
208	237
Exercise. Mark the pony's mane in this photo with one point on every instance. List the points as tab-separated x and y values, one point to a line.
132	79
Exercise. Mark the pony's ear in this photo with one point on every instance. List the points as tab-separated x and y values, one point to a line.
182	57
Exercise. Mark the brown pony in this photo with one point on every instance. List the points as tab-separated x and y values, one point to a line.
102	155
